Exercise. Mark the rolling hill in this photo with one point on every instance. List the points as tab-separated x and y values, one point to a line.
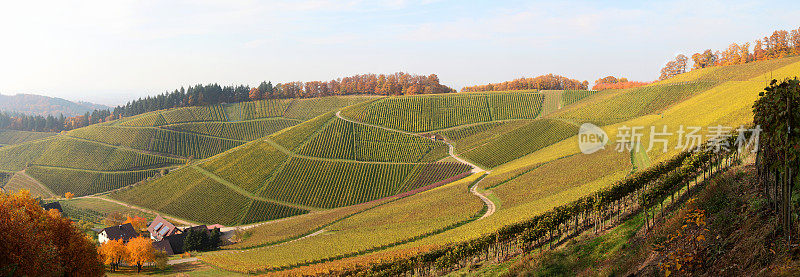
363	179
32	104
520	187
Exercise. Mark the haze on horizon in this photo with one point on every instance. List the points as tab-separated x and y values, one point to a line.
110	52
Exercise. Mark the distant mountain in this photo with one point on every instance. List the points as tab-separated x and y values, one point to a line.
45	105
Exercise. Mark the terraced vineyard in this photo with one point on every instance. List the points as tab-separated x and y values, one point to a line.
194	196
341	139
83	182
259	159
612	106
493	144
9	137
19	181
328	184
242	130
427	113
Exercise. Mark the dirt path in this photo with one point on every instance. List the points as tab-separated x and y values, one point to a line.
491	207
247	194
22	174
179	221
264	247
180	261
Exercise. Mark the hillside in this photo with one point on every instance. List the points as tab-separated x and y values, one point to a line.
111	155
533	183
44	105
339	182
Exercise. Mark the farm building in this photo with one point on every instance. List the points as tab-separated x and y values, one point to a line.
161	228
125	232
172	244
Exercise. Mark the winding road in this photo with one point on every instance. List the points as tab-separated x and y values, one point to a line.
490	206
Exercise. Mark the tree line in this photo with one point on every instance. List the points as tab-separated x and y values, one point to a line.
399	83
544	82
39	123
780	44
611	82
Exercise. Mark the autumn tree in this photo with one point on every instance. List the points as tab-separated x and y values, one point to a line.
137	222
544	82
113	219
674	67
114	252
140	252
254	94
35	242
69	195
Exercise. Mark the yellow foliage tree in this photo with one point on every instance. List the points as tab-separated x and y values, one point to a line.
35	242
69	195
140	252
114	252
138	223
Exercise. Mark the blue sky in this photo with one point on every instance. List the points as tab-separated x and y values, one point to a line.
114	51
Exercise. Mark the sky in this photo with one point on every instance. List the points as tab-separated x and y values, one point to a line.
111	52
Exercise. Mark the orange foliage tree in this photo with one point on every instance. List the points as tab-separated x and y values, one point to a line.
254	94
69	195
140	252
35	242
611	82
674	67
137	222
114	252
544	82
778	45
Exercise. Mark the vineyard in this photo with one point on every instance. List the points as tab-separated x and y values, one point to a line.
493	144
341	139
83	182
569	97
329	184
9	137
162	141
196	197
428	113
402	220
619	105
259	159
241	130
19	181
